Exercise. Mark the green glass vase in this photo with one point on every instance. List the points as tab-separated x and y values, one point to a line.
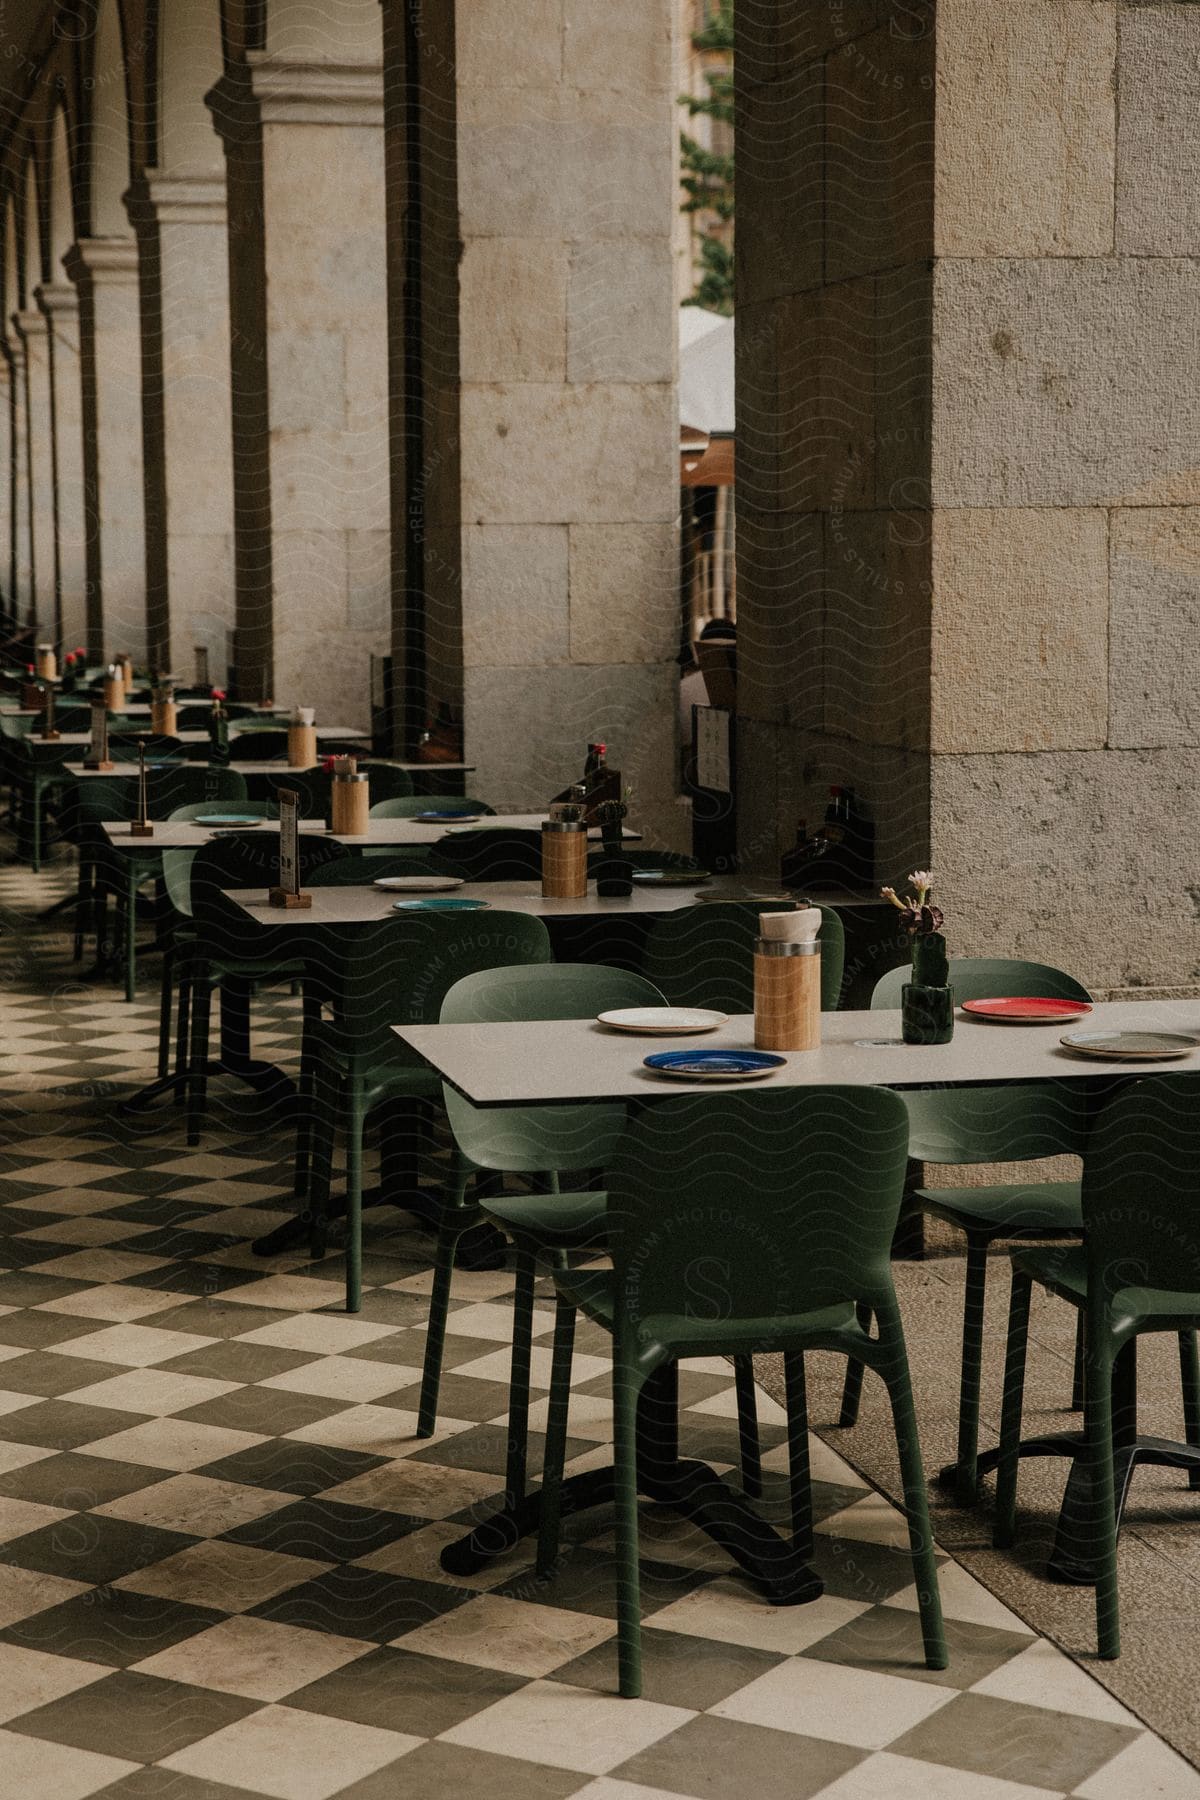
927	1001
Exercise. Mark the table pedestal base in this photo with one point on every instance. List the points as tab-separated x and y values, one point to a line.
1072	1558
780	1568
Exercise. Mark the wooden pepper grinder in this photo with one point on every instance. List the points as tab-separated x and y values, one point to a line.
302	738
114	688
162	710
350	803
564	857
787	981
45	662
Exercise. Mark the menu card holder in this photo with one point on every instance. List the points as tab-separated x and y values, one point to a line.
141	825
97	752
287	892
48	730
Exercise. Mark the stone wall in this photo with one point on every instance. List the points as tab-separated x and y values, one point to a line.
996	617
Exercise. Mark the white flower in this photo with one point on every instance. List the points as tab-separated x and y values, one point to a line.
921	878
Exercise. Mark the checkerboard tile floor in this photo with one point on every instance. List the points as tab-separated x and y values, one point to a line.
219	1538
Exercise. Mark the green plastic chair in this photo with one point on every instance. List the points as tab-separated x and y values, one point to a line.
541	1141
1016	1122
396	974
775	1210
362	867
1138	1271
388	781
703	955
408	806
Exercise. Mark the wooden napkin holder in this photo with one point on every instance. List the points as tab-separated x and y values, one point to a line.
787	994
278	896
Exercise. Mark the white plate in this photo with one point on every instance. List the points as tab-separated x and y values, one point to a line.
662	1021
419	884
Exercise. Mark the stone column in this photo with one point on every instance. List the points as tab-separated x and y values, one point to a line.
967	459
535	433
105	273
180	220
304	148
7	483
60	304
19	566
33	329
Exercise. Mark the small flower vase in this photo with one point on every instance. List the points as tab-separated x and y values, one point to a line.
927	1001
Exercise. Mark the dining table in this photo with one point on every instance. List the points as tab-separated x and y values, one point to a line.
142	856
569	1061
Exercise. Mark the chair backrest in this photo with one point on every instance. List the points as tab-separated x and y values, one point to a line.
703	955
92	798
1013	1121
399	972
1141	1177
407	806
125	746
245	860
196	809
540	1138
988	978
489	853
312	785
256	743
761	1205
359	868
186	784
387	781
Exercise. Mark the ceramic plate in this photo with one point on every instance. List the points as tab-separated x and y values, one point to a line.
672	877
1130	1046
714	1065
419	884
1015	1011
670	1021
439	905
444	818
246	819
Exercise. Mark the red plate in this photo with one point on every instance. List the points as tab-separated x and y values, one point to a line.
1019	1011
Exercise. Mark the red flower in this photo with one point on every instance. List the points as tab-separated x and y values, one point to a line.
29	668
327	763
218	693
81	651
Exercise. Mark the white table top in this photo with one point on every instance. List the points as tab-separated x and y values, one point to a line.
368	905
395	833
576	1059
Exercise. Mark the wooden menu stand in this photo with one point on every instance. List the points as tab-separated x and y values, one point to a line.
48	732
286	893
97	752
142	826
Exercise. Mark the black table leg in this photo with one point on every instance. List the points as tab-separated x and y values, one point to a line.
691	1488
234	1058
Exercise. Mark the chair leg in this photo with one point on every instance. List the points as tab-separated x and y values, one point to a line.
626	1392
1077	1371
895	1372
197	1086
966	1471
556	1436
1005	1528
455	1219
799	1472
311	1013
183	1025
518	1380
1189	1377
747	1411
355	1125
164	1015
1098	1431
852	1386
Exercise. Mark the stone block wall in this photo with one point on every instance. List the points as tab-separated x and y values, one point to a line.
1008	589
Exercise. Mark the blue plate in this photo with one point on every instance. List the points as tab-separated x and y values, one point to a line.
228	819
714	1065
440	818
438	905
